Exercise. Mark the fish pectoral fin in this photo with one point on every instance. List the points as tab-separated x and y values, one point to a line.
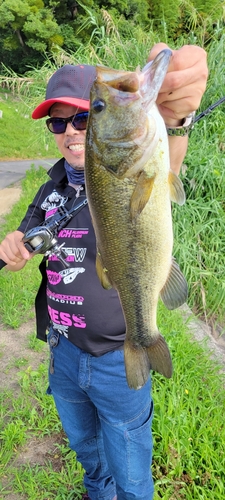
176	188
141	194
102	272
175	291
140	360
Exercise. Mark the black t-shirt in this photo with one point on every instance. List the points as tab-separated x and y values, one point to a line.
78	306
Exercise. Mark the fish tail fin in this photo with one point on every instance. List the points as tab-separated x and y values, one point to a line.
140	360
137	365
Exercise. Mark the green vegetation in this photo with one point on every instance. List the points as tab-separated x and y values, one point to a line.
22	137
200	224
188	429
17	290
33	30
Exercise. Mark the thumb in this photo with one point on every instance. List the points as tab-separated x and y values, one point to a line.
156	49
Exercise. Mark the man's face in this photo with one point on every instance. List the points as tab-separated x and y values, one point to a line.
71	143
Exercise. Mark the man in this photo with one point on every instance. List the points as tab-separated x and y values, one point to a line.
108	424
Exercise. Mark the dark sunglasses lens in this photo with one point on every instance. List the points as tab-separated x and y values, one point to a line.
80	121
56	125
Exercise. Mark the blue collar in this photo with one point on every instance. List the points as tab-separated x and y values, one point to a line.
74	176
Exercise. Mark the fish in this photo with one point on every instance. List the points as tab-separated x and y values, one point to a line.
130	187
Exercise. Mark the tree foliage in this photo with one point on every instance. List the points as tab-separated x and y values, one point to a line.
31	30
27	27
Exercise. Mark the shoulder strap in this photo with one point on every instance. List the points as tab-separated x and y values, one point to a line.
41	308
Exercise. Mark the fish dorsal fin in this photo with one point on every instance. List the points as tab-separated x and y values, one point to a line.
102	272
176	188
175	291
141	194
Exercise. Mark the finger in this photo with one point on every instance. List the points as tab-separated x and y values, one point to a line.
14	253
182	79
10	259
183	58
187	64
191	93
23	251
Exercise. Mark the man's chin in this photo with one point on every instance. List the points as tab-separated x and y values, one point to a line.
76	166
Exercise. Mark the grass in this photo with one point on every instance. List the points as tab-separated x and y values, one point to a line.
17	290
22	137
188	423
188	430
199	224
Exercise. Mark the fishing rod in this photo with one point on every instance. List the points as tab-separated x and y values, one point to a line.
208	110
43	239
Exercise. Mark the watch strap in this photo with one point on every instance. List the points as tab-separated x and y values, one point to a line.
183	129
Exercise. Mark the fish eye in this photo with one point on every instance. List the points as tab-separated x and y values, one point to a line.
98	105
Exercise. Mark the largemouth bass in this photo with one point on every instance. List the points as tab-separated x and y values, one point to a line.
130	188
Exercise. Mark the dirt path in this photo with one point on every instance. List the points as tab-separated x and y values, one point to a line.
8	197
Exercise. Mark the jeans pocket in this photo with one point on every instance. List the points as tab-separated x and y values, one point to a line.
139	449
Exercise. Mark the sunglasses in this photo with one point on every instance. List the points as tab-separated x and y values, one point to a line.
58	125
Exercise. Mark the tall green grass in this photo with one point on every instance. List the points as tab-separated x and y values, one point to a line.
22	137
200	224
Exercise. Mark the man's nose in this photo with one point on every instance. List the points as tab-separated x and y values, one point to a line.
70	130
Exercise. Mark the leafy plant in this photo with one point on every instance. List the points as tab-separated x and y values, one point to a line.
200	224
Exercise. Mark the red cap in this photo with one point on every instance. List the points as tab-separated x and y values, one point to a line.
69	85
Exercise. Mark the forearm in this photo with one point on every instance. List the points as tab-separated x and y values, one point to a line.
178	148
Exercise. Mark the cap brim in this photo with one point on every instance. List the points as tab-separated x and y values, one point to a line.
43	108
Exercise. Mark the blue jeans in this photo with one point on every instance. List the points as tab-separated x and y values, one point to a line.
107	423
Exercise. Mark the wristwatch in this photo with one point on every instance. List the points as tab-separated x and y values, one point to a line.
183	129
